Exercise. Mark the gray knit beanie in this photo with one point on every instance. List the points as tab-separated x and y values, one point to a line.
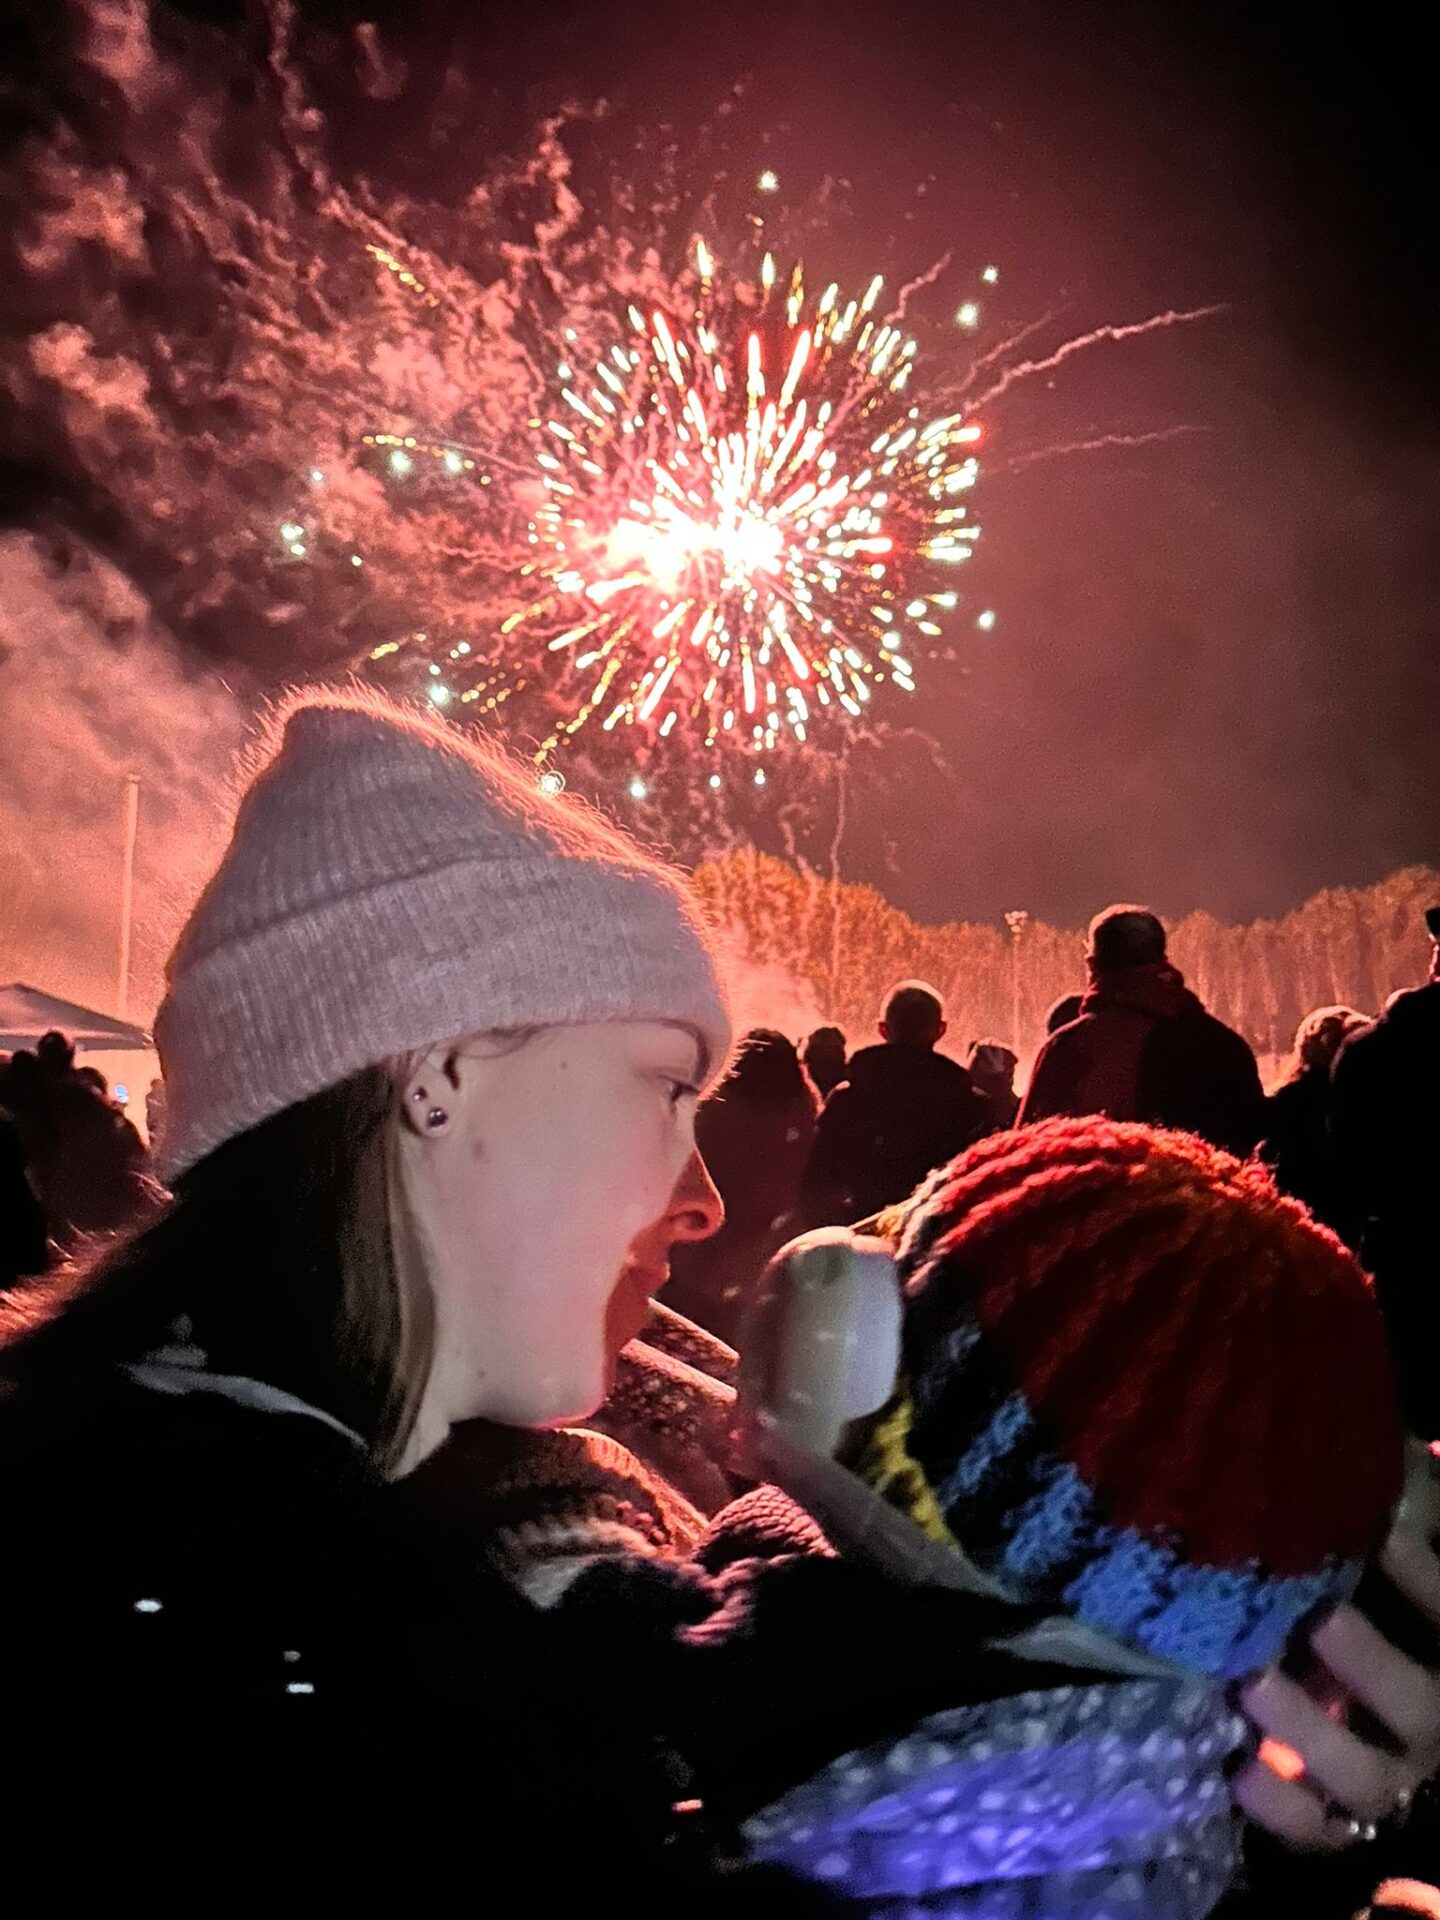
391	882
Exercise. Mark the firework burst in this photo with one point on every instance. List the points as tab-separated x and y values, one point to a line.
742	523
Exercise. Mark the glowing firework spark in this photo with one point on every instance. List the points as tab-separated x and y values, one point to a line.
745	517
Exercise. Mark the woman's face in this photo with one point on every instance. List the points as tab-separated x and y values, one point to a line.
547	1201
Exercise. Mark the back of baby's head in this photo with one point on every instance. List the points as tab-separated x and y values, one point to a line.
1140	1387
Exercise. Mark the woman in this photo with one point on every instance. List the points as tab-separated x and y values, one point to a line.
433	1045
1297	1146
755	1136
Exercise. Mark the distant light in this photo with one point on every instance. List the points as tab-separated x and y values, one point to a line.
317	476
990	276
439	695
564	369
768	182
121	1093
986	620
760	776
969	315
637	788
552	782
715	780
400	461
297	547
291	530
453	462
356	561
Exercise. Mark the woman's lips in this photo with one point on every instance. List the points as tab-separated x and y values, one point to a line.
630	1305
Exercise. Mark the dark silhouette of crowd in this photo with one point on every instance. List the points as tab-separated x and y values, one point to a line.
826	1136
72	1163
1350	1131
1039	1533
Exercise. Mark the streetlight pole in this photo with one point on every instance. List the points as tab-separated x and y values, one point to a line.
127	890
1016	921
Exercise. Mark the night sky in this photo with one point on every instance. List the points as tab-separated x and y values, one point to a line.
1213	681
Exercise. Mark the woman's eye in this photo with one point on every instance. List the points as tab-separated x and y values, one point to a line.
681	1090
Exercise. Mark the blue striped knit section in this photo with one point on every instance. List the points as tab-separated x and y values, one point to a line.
1050	1542
956	1347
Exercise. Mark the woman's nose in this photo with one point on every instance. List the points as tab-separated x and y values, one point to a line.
696	1209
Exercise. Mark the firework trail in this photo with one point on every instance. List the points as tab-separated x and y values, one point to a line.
1100	443
841	798
1003	347
1098	336
918	285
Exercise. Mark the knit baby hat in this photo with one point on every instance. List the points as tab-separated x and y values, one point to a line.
390	882
1142	1387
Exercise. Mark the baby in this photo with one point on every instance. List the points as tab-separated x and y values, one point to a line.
1112	1376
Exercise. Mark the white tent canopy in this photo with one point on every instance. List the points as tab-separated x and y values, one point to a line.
26	1013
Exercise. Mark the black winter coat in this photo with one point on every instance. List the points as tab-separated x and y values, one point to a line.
1386	1123
1299	1149
234	1665
22	1223
902	1112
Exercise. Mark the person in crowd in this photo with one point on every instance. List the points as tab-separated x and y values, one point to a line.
903	1109
754	1134
433	1042
154	1109
1298	1145
1144	1048
1386	1123
23	1251
1195	1514
88	1163
824	1060
432	1045
1066	1008
991	1066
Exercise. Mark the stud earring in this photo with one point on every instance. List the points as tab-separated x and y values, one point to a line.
435	1119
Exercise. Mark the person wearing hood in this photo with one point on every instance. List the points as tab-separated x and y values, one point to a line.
1145	1048
1385	1117
904	1110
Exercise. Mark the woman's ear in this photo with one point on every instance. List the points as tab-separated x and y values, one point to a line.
428	1092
